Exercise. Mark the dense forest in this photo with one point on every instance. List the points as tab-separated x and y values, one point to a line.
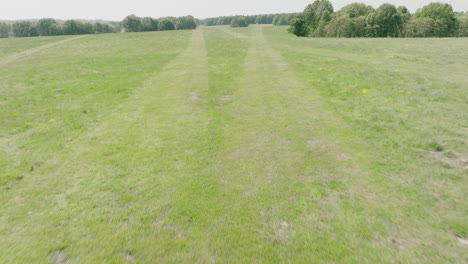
360	20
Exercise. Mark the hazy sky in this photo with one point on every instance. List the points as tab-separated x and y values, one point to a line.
118	9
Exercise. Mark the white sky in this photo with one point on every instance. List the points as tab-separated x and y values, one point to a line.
116	10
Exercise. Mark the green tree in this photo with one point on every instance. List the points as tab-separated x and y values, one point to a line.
283	21
98	27
115	27
132	23
262	19
73	27
166	24
385	21
24	29
418	28
317	15
445	22
404	14
149	24
463	28
186	22
239	22
355	10
275	20
4	30
346	27
349	22
87	28
339	27
47	27
298	26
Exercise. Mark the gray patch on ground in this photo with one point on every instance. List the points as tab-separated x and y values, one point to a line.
462	241
194	97
7	145
59	257
179	235
316	144
249	193
129	257
283	231
323	145
226	97
451	158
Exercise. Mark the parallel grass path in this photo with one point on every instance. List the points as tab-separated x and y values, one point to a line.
224	145
29	52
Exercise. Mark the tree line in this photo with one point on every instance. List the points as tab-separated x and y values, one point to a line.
52	27
360	20
235	21
132	23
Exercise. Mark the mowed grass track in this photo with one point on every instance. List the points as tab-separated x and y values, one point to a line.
233	145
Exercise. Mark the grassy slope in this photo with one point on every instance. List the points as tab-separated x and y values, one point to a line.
248	145
16	45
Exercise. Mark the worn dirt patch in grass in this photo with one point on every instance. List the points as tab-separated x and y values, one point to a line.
129	257
59	257
326	146
451	158
194	97
226	97
282	232
462	241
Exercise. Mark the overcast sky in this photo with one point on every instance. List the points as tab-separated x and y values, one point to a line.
118	9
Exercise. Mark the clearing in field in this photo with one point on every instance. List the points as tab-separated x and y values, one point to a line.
233	145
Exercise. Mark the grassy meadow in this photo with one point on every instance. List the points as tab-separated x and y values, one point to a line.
233	145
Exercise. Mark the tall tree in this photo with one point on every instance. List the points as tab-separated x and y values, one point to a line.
239	22
385	21
298	26
166	24
24	29
73	27
149	24
317	15
186	22
355	10
4	30
418	28
444	20
282	21
463	28
132	23
47	27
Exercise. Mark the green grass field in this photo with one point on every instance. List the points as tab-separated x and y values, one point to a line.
225	145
